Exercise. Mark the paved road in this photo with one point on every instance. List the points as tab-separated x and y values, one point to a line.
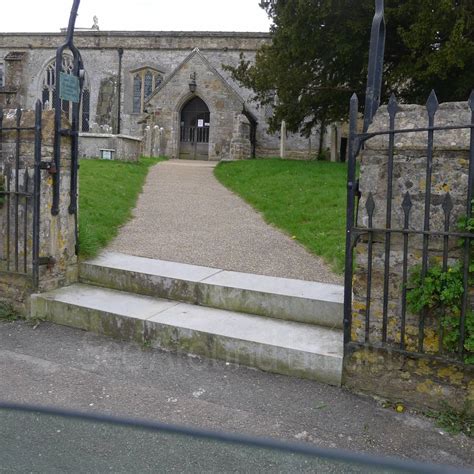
34	442
185	215
57	366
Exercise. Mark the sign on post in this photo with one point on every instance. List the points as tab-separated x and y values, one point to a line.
69	88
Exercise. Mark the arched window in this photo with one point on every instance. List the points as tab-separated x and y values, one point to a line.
145	81
48	93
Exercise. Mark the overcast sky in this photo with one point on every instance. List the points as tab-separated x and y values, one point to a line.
149	15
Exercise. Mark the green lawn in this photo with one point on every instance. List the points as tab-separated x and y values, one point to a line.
108	193
307	199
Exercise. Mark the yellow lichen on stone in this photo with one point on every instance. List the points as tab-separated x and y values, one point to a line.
366	357
359	306
423	368
470	391
429	387
454	376
431	342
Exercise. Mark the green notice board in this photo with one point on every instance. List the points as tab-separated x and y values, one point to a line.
69	87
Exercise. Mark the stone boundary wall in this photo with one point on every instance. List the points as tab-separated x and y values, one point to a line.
422	381
57	236
125	148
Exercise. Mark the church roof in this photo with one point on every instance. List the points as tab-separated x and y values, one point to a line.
194	53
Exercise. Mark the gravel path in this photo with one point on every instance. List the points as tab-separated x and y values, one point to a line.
185	215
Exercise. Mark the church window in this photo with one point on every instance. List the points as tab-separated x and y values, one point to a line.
2	75
145	81
48	93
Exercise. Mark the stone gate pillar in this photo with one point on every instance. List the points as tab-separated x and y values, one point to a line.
240	146
395	368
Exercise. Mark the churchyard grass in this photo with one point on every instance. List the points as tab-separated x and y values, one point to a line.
306	199
108	193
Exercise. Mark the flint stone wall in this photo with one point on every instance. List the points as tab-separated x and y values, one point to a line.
57	237
363	369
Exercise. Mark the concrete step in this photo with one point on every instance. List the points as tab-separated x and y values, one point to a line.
273	345
291	300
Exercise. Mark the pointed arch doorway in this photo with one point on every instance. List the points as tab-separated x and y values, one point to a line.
195	125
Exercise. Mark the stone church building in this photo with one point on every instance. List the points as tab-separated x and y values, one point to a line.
168	88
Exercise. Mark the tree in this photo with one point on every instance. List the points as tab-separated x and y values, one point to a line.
434	49
319	55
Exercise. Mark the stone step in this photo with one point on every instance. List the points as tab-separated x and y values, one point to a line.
273	345
291	300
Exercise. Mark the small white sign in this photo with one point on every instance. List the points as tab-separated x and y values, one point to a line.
106	154
200	123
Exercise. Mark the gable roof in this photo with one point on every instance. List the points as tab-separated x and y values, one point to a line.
197	52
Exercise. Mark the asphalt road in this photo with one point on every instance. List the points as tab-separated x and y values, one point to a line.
62	367
41	443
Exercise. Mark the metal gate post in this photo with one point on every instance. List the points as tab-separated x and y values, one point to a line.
58	131
351	199
37	194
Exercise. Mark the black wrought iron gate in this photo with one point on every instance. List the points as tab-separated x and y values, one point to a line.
371	222
20	188
450	233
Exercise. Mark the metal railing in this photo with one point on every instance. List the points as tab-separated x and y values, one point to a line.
448	234
20	197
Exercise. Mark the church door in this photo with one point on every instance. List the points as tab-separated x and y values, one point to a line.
194	133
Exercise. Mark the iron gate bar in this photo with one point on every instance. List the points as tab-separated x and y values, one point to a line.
370	207
392	110
447	208
58	132
432	107
415	355
375	72
25	221
8	187
407	205
351	193
75	144
37	194
17	169
366	230
367	136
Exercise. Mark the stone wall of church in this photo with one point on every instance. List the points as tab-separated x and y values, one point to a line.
163	51
223	103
